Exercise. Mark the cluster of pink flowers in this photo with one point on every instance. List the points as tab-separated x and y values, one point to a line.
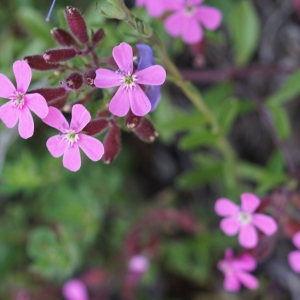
186	17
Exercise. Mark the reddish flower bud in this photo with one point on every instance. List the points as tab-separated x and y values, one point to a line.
74	81
111	61
76	24
95	126
89	77
102	113
50	93
58	55
145	131
59	103
97	36
132	121
63	37
37	62
112	144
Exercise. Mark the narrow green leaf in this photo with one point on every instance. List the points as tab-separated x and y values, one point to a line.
227	114
196	139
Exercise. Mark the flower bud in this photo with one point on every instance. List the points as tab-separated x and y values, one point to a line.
74	81
59	103
95	126
50	93
77	24
112	144
143	28
63	38
112	12
145	131
97	36
89	77
58	55
37	62
132	121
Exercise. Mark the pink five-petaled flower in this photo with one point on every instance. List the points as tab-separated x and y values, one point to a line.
75	289
294	256
244	219
129	94
185	20
20	104
70	139
236	271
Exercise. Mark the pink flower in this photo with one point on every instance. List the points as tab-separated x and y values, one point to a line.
244	219
138	263
236	271
156	8
74	289
294	256
185	20
20	104
68	142
129	93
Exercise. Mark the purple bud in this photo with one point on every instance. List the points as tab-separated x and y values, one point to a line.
112	144
59	103
97	36
95	126
58	55
37	62
50	93
145	131
89	77
63	37
77	24
74	81
132	121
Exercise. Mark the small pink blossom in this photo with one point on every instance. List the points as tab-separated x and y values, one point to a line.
186	18
236	271
244	219
156	8
129	94
68	142
138	263
294	256
20	104
75	289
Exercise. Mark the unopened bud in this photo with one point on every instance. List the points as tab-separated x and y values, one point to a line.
37	62
89	77
132	121
59	103
50	93
74	81
63	37
112	144
143	28
95	126
112	11
58	55
97	36
77	24
103	113
145	131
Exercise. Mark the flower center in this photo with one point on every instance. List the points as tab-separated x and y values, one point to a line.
244	218
70	136
128	81
189	10
17	100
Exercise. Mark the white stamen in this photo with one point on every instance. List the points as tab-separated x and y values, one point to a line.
244	218
17	100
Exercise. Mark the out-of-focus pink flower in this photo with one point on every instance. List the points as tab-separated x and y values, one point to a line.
186	18
236	271
244	220
138	263
75	289
156	7
294	256
68	142
129	93
20	104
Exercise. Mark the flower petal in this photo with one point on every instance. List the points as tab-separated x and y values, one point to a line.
56	119
7	88
265	223
154	75
296	239
107	78
37	103
146	56
75	290
71	160
23	75
155	8
225	208
124	57
173	23
119	104
248	280
9	115
230	226
249	202
80	117
246	262
154	94
92	147
192	32
26	125
231	283
210	17
139	102
248	236
56	145
294	260
194	2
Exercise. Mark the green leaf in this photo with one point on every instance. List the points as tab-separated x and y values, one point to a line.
288	91
197	139
227	114
215	95
245	31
